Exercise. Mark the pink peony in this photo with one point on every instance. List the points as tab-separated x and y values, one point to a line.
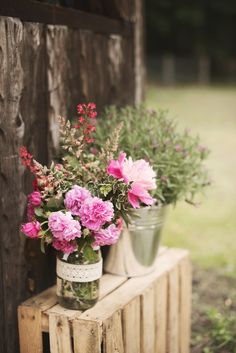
31	229
75	197
139	173
138	194
115	168
35	198
94	213
64	246
63	226
107	236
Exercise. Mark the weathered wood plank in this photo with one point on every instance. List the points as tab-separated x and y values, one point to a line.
131	326
30	334
57	15
161	314
173	311
87	336
59	334
112	334
185	305
148	321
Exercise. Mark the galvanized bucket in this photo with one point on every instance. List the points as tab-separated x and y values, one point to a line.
136	251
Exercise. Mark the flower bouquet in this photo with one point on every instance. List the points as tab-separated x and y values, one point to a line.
79	204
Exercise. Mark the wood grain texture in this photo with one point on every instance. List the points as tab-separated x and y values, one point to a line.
185	305
173	311
161	314
30	334
112	334
12	262
131	326
87	336
147	321
59	334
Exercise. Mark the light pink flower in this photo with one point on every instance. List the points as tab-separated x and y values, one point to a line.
31	229
75	197
94	213
64	246
63	226
138	194
107	236
35	198
139	173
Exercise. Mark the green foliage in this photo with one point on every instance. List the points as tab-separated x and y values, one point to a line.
177	157
221	332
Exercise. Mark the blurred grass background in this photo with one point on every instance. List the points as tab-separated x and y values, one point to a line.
209	231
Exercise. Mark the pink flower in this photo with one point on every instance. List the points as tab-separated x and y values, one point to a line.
138	194
63	226
30	212
31	229
94	213
35	198
139	173
64	246
107	236
115	168
75	197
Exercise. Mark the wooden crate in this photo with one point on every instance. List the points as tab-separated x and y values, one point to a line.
149	314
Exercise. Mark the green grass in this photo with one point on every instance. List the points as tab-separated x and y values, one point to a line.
210	230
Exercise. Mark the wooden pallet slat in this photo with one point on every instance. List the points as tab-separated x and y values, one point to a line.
87	336
113	339
30	334
161	314
131	326
147	321
173	311
59	334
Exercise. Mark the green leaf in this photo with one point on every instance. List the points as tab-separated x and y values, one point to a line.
90	254
39	212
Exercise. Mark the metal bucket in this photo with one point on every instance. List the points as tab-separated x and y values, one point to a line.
136	251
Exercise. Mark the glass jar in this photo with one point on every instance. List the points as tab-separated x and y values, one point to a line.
78	277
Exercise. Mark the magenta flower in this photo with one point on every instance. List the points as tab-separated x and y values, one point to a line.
31	229
138	194
107	236
64	246
30	212
63	226
75	197
35	198
139	173
94	213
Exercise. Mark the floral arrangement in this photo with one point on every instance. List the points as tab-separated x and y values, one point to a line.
79	204
177	157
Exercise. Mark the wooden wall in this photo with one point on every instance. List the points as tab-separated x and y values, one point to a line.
45	70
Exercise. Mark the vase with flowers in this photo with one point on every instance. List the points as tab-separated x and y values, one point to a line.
79	205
